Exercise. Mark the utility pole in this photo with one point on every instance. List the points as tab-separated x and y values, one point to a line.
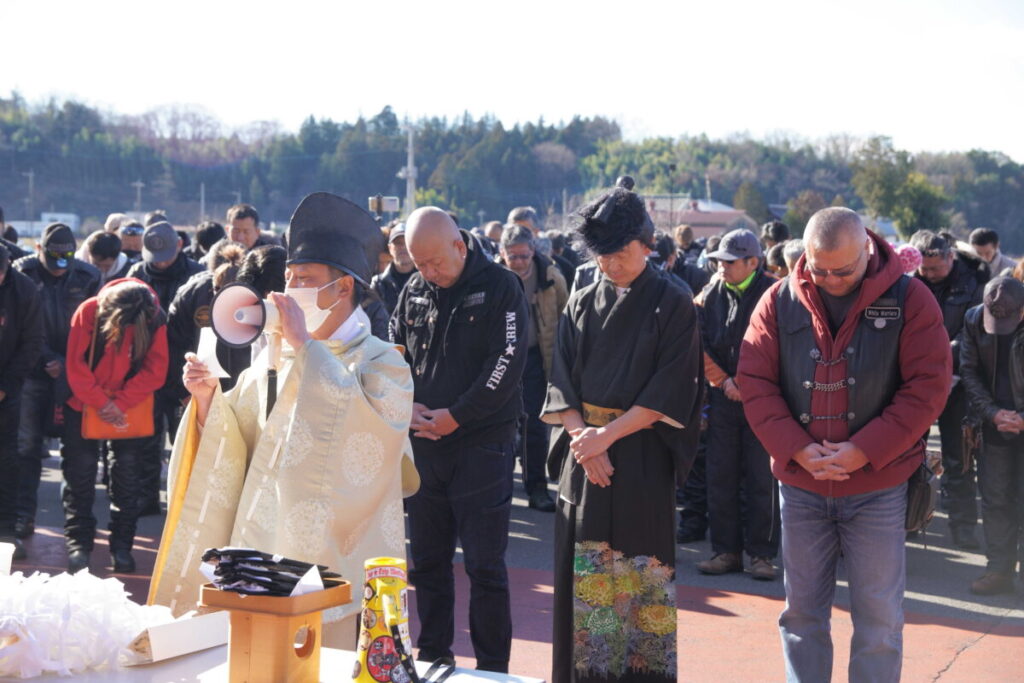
565	209
671	195
138	185
480	217
31	199
707	190
238	196
408	172
202	202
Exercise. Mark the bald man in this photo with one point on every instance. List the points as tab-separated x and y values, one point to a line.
840	376
462	320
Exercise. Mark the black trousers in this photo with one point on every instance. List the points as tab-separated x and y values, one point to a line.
36	414
166	415
10	415
79	458
743	500
466	496
694	493
534	455
1001	475
958	487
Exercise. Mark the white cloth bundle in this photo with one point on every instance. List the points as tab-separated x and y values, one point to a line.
67	624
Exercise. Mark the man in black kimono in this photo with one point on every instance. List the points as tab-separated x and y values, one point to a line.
625	392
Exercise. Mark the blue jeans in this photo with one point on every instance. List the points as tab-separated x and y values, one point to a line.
867	531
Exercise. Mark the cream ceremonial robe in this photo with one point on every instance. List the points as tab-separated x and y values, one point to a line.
320	480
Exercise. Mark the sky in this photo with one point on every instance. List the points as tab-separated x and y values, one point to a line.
940	75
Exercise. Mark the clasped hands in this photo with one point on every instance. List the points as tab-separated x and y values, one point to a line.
111	414
831	461
1008	421
589	447
431	424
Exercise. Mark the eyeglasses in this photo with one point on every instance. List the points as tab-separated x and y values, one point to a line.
57	255
845	271
518	257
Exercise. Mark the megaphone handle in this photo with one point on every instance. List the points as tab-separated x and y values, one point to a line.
274	361
271	390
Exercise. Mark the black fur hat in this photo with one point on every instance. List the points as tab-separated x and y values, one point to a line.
613	220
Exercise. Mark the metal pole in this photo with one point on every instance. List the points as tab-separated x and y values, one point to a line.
410	173
565	209
31	175
202	202
138	185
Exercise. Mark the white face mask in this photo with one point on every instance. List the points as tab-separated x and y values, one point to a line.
306	298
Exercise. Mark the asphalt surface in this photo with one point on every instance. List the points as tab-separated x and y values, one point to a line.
950	635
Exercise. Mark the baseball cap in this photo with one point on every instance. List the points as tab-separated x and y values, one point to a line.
159	243
58	244
396	232
1004	301
736	245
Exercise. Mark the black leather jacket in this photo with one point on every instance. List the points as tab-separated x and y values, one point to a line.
978	366
961	290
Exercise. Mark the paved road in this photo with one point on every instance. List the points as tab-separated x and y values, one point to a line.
727	623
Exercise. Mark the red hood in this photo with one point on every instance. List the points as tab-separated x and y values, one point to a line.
132	279
884	269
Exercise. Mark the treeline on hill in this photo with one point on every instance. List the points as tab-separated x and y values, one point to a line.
84	161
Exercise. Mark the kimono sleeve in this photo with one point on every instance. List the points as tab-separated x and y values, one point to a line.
562	394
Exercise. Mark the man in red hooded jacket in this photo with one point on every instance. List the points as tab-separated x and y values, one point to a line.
841	374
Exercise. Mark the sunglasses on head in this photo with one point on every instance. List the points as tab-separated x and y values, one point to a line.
132	230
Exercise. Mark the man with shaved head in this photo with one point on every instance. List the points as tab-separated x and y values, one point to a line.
462	320
841	376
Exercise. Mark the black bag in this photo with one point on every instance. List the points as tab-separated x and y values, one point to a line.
922	493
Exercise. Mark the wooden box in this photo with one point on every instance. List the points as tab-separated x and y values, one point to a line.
262	642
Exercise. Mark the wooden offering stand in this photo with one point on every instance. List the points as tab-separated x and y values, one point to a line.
262	641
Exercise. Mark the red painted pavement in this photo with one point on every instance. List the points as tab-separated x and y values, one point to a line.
723	636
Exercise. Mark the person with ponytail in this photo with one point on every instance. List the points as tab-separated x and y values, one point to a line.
116	358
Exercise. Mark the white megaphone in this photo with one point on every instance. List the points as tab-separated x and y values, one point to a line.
239	315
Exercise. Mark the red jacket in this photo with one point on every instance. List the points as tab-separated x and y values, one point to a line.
96	387
892	439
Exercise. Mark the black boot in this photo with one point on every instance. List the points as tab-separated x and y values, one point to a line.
124	563
24	527
78	560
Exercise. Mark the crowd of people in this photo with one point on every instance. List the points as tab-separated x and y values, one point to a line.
777	391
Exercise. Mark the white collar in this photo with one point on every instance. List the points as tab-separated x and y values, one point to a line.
352	326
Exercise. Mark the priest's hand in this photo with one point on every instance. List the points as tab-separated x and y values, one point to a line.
599	470
200	384
817	460
293	320
441	422
590	443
